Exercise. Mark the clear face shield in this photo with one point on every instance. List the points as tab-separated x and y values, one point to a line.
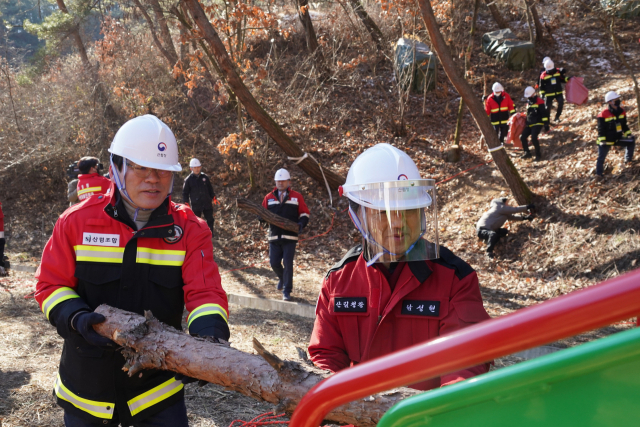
397	219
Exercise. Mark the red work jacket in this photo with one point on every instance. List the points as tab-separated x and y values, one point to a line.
430	299
95	256
292	207
92	183
499	113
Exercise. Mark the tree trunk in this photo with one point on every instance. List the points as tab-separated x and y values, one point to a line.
164	29
370	25
149	344
497	16
270	217
518	187
101	95
537	23
253	107
527	10
305	20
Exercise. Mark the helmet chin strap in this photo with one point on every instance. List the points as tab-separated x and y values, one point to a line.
120	183
367	237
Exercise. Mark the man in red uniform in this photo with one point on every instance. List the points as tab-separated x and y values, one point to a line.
289	204
3	271
613	131
398	288
499	108
136	250
90	181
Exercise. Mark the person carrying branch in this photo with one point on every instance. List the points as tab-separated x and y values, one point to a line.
136	250
499	107
550	85
537	117
197	192
399	287
613	131
289	204
489	227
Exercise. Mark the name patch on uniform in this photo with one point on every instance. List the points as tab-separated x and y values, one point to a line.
350	305
100	239
420	307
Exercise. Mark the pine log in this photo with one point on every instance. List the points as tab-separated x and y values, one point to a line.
149	344
270	217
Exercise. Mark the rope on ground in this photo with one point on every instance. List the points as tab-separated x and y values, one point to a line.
261	420
299	159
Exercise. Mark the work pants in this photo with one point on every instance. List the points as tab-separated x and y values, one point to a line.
281	258
491	237
534	131
549	103
208	216
603	150
174	416
502	131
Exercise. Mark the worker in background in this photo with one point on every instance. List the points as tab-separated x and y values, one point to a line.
72	186
136	250
537	118
613	131
550	85
289	204
197	192
398	287
489	227
3	270
90	181
499	108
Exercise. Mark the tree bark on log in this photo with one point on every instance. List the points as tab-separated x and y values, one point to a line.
270	217
149	344
515	182
497	16
254	109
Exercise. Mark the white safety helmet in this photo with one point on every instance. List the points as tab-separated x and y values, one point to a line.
497	87
282	175
148	142
194	163
529	92
549	65
610	96
544	61
388	182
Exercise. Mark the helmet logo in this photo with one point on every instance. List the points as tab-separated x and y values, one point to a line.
402	177
162	146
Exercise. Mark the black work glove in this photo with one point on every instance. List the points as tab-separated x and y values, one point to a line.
528	217
531	207
300	227
83	323
546	127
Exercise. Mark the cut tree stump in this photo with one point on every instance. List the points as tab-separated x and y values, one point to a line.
270	217
149	344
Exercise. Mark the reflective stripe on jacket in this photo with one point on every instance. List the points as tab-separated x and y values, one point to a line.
430	299
92	183
537	113
499	113
612	126
292	208
551	83
95	256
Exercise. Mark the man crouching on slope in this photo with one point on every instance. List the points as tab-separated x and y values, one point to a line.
398	288
136	250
